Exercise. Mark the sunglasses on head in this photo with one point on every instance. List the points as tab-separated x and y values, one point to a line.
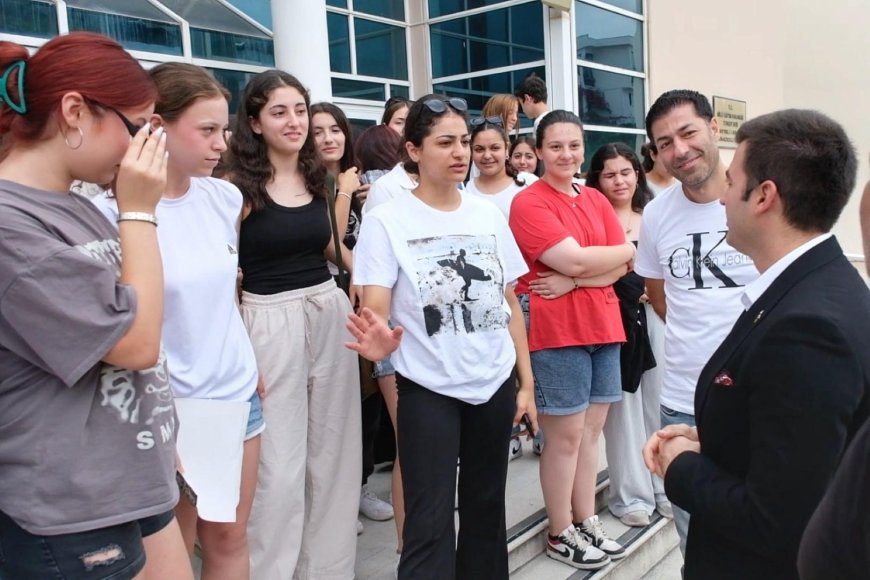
483	121
437	105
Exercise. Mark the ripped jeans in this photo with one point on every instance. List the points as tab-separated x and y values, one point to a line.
115	552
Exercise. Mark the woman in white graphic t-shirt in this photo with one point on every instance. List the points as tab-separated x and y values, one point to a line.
441	265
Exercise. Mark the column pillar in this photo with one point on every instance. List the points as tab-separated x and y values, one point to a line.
561	82
302	44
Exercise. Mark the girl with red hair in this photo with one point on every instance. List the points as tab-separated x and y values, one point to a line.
87	419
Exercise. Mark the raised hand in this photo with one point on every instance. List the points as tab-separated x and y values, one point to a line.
348	181
142	177
374	339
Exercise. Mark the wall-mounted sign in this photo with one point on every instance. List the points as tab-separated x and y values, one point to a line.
731	114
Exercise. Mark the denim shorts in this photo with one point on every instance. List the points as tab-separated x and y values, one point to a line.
383	368
568	379
115	552
524	306
256	423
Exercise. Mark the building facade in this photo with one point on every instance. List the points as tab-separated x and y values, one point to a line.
605	59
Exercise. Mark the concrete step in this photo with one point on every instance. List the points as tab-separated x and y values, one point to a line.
526	540
645	548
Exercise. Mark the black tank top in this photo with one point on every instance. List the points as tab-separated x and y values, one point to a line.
281	248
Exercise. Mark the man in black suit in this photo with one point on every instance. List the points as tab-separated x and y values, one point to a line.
787	389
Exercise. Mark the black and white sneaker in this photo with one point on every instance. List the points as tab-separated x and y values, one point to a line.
515	449
574	549
593	531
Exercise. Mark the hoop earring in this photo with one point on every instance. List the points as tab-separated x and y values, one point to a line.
81	139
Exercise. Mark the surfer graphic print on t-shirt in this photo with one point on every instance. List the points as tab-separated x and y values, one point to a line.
461	283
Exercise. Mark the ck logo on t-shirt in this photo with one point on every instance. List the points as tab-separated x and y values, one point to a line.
692	264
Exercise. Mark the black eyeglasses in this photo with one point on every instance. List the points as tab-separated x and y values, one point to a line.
483	121
440	105
131	127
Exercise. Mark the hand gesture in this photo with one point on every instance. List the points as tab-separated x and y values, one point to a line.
550	285
348	181
363	192
142	177
526	406
659	451
374	339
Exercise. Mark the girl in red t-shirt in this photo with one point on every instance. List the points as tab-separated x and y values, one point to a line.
575	338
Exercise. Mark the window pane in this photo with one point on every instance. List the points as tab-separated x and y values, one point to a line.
357	126
358	90
478	90
339	42
337	3
596	139
231	47
235	82
608	38
612	99
400	91
256	9
132	33
28	18
132	8
444	7
380	49
498	38
212	15
394	9
631	5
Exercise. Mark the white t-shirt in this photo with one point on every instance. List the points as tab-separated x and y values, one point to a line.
503	198
448	271
683	243
538	120
659	189
207	347
388	186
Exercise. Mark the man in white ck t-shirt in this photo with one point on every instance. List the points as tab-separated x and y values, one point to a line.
694	278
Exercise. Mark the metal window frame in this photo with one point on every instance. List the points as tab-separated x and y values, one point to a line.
644	75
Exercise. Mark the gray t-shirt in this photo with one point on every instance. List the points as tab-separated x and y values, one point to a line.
83	444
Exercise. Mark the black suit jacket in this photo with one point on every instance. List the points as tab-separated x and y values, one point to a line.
775	407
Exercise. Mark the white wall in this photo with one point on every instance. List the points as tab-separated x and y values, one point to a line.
827	67
773	55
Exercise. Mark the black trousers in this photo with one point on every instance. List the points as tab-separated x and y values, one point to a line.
371	423
434	431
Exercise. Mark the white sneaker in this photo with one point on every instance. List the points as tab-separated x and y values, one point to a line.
360	528
635	519
594	532
374	508
666	509
573	549
515	449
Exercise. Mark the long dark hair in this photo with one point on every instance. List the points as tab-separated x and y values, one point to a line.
348	158
527	139
642	195
508	168
419	123
250	169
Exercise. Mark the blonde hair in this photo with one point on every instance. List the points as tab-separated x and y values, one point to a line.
502	106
